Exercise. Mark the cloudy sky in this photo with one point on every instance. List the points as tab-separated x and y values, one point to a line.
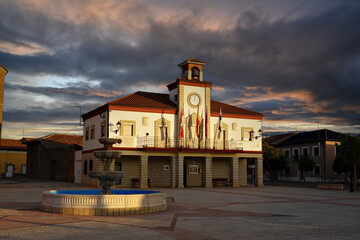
298	62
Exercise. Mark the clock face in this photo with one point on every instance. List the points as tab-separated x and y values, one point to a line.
194	100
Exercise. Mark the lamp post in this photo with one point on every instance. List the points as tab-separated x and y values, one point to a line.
80	115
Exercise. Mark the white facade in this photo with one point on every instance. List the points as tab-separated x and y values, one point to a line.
147	131
149	126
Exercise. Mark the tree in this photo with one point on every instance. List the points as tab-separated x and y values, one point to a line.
349	152
340	166
274	160
306	163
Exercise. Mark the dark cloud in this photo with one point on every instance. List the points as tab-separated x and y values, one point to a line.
318	52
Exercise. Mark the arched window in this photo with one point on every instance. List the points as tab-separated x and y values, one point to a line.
85	167
195	73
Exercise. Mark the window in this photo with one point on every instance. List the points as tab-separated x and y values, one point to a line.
175	98
316	151
103	129
295	154
128	127
305	151
90	165
287	153
287	170
247	134
92	132
317	169
23	169
85	167
86	133
128	130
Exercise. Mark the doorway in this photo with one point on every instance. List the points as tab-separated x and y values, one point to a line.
9	171
185	175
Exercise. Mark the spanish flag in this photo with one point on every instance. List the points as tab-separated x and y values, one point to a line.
198	124
182	125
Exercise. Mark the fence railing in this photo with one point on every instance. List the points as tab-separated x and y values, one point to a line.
195	143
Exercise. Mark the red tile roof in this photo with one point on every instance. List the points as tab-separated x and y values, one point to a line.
192	60
62	138
160	100
146	100
226	108
12	144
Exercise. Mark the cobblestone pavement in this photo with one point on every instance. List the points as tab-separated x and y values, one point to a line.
271	212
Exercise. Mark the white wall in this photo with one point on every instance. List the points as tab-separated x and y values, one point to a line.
141	130
96	120
235	135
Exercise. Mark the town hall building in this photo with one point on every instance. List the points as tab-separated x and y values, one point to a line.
180	139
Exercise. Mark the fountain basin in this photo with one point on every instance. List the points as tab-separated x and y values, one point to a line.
88	202
111	141
107	154
107	175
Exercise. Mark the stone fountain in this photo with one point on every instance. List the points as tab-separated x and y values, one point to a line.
107	156
104	202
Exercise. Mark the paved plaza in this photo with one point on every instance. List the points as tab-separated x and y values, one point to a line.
271	212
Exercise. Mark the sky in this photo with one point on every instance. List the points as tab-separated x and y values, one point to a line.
297	62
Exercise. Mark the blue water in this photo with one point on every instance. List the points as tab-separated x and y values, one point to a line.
97	191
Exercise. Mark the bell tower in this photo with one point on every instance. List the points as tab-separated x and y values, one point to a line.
3	72
192	69
192	95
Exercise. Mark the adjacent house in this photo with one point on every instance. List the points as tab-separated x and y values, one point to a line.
319	144
179	139
52	157
12	158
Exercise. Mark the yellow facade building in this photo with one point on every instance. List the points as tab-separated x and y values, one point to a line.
12	158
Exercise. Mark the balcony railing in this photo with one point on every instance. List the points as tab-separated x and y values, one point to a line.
160	142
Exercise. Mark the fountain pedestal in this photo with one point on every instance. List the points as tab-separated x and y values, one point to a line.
107	156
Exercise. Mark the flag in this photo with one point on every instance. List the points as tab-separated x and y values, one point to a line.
182	125
220	117
206	122
198	124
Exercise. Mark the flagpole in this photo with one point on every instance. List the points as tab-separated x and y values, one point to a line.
181	136
206	120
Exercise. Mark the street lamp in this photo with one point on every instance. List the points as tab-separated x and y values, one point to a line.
80	114
118	125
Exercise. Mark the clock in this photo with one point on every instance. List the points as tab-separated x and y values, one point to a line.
194	100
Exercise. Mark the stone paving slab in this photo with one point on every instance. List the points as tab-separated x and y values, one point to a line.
271	212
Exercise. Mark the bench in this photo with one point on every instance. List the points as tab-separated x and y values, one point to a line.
330	186
220	182
135	182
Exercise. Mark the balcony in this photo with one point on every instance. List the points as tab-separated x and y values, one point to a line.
159	142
